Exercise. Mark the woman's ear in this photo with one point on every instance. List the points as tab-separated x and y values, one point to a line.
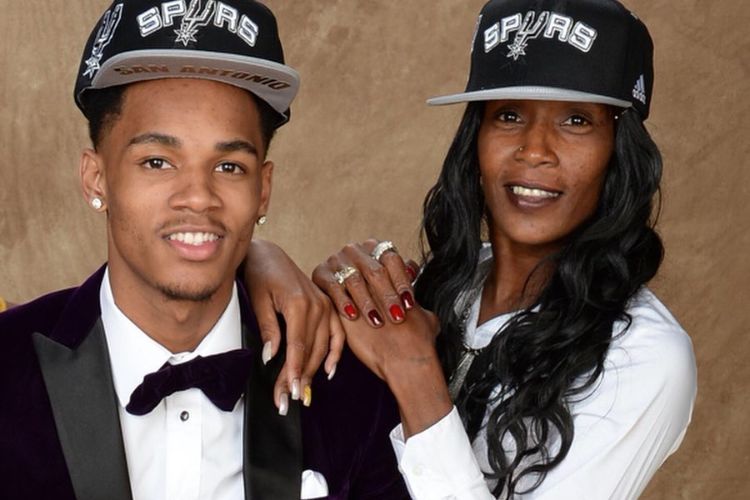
91	173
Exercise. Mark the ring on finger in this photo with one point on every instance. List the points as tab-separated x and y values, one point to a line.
345	272
381	248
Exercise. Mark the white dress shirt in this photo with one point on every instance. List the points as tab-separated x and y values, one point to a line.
633	418
186	448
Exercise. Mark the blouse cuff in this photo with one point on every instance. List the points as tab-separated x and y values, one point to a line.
439	461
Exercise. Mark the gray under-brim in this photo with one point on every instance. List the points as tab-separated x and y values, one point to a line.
259	76
528	92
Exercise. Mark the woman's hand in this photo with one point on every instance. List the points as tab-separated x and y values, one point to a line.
378	289
277	285
401	351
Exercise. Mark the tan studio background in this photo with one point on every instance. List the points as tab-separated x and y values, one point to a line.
362	149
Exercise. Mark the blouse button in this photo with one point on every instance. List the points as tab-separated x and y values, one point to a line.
184	416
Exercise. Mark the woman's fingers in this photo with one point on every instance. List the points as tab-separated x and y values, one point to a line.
412	269
336	345
281	393
348	290
268	324
380	290
400	277
324	277
317	353
377	279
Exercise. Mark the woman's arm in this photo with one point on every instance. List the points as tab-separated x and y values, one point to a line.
433	450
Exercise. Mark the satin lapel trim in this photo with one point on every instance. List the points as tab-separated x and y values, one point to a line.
84	404
273	444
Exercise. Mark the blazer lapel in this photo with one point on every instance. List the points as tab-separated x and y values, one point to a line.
273	444
76	370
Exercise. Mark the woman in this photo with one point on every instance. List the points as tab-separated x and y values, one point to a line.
569	378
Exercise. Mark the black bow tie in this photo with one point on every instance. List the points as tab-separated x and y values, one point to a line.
221	377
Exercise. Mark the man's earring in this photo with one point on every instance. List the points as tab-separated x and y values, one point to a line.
261	220
96	203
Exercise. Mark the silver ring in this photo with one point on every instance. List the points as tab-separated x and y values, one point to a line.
381	248
345	272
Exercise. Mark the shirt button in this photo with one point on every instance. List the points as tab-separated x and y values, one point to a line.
418	470
184	416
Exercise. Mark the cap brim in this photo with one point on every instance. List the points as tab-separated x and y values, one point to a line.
272	82
531	93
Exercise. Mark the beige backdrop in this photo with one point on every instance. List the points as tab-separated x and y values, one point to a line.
362	149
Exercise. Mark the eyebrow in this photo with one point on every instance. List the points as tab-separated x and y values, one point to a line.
174	142
236	145
153	137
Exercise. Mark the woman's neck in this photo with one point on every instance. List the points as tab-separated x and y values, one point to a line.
517	277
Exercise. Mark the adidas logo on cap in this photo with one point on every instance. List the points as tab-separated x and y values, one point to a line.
639	91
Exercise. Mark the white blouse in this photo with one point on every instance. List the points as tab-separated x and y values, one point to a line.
628	423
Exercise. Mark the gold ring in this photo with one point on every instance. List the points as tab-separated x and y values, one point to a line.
345	272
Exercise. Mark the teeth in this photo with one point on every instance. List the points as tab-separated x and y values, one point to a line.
195	239
536	193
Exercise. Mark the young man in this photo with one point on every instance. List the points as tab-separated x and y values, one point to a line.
147	381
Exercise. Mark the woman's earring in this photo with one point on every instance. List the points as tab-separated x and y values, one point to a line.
96	203
261	220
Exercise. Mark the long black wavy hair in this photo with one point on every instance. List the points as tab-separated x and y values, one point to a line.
554	350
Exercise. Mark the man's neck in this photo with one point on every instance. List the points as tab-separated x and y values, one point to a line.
178	325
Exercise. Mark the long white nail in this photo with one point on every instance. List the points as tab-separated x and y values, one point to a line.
266	354
283	404
332	372
295	389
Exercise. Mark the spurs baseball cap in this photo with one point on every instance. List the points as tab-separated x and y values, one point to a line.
560	50
230	41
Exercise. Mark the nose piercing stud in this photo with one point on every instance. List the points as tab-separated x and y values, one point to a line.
520	149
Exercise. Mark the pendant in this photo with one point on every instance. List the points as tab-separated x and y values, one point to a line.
457	380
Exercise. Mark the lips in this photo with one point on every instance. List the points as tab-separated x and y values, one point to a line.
194	244
531	196
533	192
193	238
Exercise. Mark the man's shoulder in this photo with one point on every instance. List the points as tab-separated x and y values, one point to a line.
39	315
70	310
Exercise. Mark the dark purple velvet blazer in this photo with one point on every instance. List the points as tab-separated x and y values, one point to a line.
60	432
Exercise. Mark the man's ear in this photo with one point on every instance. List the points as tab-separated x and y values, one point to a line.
91	173
266	177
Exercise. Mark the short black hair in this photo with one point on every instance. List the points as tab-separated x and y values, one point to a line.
102	107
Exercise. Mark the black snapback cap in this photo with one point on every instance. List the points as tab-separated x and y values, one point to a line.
560	50
230	41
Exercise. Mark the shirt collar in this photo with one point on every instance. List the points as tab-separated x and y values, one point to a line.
479	336
133	354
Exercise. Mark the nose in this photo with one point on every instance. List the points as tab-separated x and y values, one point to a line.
536	147
194	191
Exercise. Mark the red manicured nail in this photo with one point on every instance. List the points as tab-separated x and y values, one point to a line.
375	318
396	312
407	299
350	311
411	272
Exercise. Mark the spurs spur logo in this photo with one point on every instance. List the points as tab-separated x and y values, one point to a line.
195	15
194	18
533	25
103	37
